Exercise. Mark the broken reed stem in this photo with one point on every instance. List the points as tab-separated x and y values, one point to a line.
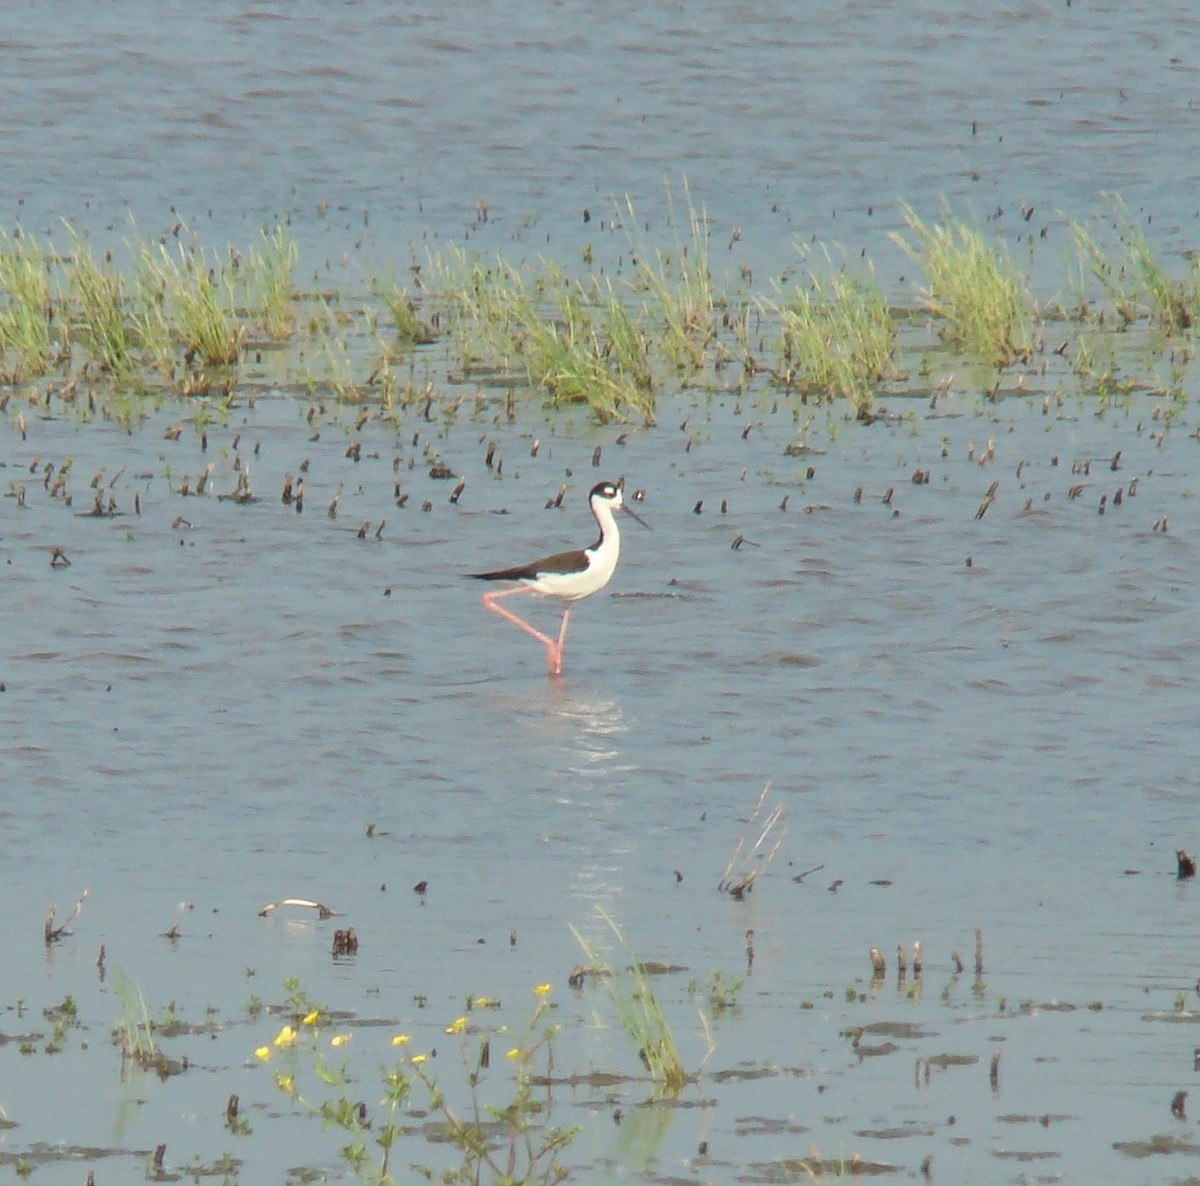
50	932
738	878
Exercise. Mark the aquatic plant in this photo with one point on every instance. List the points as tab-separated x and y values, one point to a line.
197	300
170	317
637	1008
626	345
576	342
570	354
135	1032
1131	276
62	1017
148	318
749	863
478	302
402	309
500	1142
678	284
97	311
720	993
267	281
26	307
837	335
339	366
973	287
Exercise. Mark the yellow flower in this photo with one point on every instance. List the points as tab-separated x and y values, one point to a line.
457	1026
285	1037
400	1040
263	1053
485	1003
311	1018
513	1054
285	1082
417	1059
542	990
339	1039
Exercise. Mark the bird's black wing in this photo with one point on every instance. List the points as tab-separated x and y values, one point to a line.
560	562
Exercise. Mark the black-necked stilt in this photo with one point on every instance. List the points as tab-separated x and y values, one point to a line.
569	576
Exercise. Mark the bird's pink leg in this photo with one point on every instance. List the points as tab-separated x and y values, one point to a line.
557	654
553	649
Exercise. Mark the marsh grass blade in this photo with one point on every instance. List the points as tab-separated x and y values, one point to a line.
637	1008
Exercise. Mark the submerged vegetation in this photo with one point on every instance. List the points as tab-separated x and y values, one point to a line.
118	329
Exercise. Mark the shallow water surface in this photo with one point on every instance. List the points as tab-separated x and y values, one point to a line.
371	128
970	723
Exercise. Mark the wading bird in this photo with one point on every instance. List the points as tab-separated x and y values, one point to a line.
568	576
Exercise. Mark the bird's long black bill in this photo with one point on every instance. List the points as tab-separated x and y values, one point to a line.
630	511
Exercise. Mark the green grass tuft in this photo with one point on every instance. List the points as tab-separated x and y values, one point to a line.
974	287
97	295
26	309
838	335
1132	278
637	1008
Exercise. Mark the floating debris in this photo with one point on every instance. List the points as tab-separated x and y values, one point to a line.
304	903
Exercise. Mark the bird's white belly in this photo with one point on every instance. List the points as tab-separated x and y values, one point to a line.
572	586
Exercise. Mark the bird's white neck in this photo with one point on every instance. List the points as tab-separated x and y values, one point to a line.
605	551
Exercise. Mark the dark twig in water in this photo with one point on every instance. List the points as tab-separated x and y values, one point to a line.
739	877
814	869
